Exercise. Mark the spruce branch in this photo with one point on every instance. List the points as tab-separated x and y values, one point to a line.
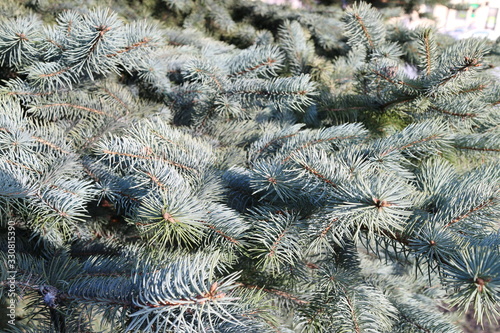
363	25
269	171
18	44
264	61
427	50
474	275
295	43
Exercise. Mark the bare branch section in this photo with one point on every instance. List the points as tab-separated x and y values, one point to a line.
142	43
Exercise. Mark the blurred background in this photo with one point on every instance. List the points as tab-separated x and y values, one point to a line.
458	18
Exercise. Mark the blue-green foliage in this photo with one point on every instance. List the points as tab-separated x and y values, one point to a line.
258	177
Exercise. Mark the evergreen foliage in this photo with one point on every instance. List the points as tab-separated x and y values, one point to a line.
234	166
